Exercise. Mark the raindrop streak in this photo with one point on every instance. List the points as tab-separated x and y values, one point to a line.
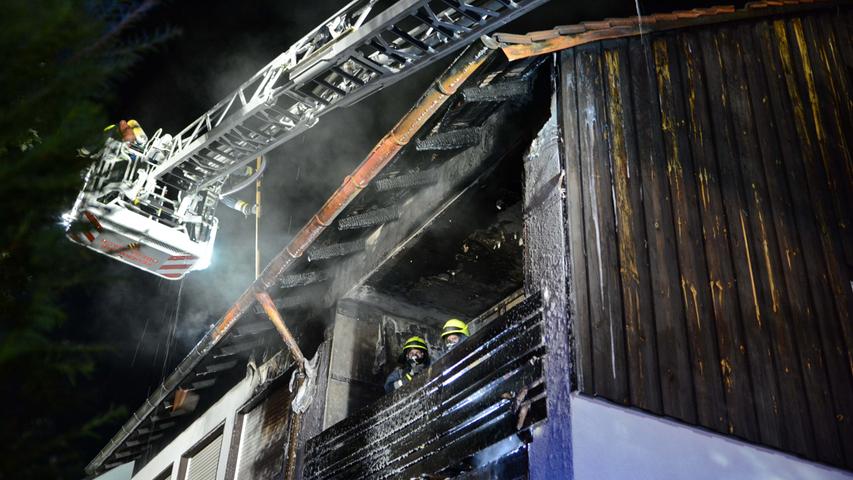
172	331
157	340
643	39
141	339
639	16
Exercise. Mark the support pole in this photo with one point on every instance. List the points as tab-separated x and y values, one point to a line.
272	312
296	418
293	440
258	222
546	271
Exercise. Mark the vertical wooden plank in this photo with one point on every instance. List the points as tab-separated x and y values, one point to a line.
644	380
840	26
733	364
707	382
842	23
808	193
545	270
765	389
674	362
828	105
578	291
777	148
827	181
831	122
608	346
841	51
831	46
799	435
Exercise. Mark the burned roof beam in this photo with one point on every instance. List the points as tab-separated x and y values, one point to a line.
156	427
371	218
302	279
201	384
236	348
324	252
450	140
498	92
246	329
406	181
499	136
219	367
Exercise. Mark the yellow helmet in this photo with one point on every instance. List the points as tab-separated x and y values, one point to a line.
415	342
454	326
137	130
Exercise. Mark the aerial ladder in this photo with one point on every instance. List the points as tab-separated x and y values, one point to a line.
150	201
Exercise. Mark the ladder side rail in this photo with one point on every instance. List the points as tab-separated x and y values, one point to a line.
309	104
194	138
348	50
355	12
196	133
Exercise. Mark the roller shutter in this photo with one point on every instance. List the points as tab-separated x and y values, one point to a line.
203	465
263	440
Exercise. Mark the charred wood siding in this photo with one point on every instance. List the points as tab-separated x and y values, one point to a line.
708	192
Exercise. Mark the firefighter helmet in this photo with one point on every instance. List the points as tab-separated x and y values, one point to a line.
454	326
415	342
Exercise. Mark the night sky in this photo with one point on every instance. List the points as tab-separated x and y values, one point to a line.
144	320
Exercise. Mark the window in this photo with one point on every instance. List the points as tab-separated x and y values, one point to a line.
202	462
264	437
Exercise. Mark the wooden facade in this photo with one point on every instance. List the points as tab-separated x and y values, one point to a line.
710	246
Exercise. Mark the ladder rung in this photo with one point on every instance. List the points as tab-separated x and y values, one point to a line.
328	85
414	41
348	76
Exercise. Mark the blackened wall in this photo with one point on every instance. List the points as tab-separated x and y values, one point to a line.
708	195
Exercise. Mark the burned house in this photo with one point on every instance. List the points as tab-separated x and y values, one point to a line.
645	222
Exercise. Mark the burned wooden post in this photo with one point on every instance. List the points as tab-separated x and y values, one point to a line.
545	272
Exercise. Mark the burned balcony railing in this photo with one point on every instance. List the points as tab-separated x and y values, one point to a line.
486	389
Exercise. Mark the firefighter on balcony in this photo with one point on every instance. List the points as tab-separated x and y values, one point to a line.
453	333
414	359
